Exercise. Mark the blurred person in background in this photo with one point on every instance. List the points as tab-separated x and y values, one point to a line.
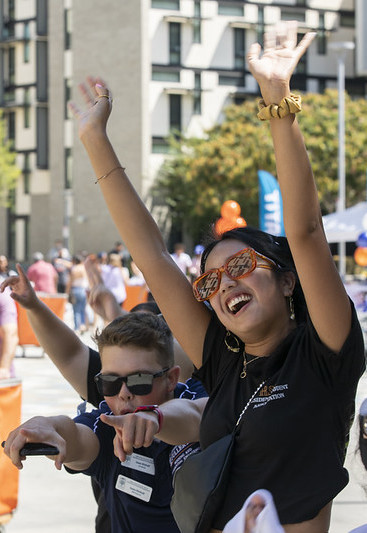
8	334
43	274
77	290
62	263
196	261
4	268
114	277
181	258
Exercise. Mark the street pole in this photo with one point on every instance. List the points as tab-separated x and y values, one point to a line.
341	48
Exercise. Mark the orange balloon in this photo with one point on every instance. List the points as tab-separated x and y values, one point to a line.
240	222
230	209
224	224
360	256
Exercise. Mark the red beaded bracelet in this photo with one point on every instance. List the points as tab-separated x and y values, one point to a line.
155	409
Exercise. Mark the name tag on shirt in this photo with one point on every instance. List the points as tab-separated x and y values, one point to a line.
133	488
140	463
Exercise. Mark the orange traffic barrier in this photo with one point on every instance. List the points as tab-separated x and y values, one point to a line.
57	304
135	294
10	409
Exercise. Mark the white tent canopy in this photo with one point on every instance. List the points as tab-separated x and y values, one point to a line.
347	225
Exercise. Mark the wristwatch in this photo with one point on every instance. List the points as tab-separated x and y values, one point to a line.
155	409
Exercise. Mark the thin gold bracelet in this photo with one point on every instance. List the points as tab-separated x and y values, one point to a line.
108	173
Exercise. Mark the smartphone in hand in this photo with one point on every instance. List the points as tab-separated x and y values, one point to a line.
36	448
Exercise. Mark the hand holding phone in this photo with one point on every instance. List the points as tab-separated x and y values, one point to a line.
36	448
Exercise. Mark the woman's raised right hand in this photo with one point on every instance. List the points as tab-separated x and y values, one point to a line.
98	102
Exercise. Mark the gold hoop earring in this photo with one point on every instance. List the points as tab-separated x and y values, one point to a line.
292	314
230	338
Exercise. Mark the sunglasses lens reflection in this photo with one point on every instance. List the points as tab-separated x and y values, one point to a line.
236	267
138	384
240	265
207	285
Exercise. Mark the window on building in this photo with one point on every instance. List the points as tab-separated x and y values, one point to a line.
10	26
68	86
27	108
239	49
231	8
18	225
159	74
11	66
41	70
11	126
231	80
301	2
238	99
260	25
293	14
321	35
322	85
299	82
67	29
41	10
166	4
175	112
302	63
26	51
26	48
68	180
356	88
347	19
197	94
11	9
26	174
42	137
174	43
160	145
196	24
11	224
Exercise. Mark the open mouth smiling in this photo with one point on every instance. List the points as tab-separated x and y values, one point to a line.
235	304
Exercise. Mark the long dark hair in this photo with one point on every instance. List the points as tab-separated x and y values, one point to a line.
273	247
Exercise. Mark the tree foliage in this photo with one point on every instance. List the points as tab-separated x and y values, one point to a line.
202	173
9	172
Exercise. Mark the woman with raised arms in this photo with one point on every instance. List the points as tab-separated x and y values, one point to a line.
278	312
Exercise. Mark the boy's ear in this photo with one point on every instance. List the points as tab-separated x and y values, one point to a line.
173	375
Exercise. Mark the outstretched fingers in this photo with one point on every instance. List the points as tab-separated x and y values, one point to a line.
254	52
305	43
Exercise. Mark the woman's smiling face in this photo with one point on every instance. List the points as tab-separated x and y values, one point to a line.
251	307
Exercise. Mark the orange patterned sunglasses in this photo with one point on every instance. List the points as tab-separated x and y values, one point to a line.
237	266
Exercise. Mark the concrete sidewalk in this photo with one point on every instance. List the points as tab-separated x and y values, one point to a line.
55	501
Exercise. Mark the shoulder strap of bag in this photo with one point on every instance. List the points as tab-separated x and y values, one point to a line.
248	404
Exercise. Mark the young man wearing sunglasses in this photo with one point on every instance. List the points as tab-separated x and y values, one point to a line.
138	374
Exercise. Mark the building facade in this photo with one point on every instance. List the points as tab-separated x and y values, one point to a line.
171	65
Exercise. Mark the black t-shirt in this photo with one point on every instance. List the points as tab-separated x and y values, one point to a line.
293	436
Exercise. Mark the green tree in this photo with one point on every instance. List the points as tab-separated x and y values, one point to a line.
9	172
202	173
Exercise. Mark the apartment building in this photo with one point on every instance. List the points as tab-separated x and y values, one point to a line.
171	64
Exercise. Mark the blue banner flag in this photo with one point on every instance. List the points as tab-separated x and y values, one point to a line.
270	204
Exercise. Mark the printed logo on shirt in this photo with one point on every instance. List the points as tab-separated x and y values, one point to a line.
269	393
180	453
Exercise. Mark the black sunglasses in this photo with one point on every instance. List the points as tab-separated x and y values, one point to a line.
138	384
